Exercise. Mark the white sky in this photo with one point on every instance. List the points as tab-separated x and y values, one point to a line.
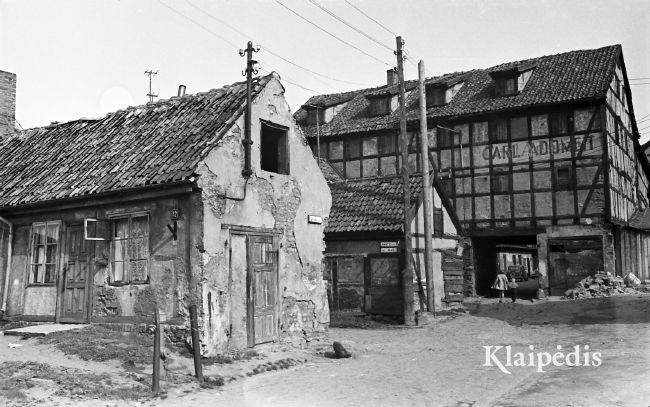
84	58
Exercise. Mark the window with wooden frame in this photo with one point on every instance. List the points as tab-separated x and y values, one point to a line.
498	130
44	252
435	95
446	138
500	183
561	122
129	249
274	148
563	178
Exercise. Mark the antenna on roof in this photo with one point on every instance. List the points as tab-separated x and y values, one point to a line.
151	95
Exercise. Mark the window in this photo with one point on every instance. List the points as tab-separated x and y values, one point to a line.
315	115
562	178
130	249
438	222
512	81
379	106
560	122
44	253
446	137
435	96
274	149
498	130
353	148
500	183
387	144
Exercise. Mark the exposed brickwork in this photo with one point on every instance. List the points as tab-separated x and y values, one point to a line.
7	104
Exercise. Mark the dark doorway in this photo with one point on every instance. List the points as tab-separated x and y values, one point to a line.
486	250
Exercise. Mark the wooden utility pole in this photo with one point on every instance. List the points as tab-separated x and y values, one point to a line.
428	192
407	272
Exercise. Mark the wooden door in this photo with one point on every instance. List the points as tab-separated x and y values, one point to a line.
385	288
74	304
263	289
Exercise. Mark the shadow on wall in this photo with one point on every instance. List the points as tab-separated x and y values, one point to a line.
622	309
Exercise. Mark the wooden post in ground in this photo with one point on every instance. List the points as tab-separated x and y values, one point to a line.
407	273
155	385
428	193
196	343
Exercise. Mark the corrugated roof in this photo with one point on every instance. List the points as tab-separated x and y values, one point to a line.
561	78
157	143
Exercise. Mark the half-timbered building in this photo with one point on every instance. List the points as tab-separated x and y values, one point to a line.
540	155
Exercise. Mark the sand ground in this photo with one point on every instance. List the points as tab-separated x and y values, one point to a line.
441	364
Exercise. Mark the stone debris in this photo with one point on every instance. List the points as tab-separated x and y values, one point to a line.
604	284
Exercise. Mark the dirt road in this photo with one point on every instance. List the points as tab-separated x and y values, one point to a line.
443	364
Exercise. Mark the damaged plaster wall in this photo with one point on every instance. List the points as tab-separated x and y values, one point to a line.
266	201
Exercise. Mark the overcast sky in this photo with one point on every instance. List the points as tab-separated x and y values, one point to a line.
84	58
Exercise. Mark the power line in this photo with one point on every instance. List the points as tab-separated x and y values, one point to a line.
199	24
637	79
284	79
643	83
270	51
377	22
330	34
331	13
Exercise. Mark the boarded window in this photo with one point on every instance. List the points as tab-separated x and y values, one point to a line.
498	130
274	149
438	222
379	106
336	150
500	183
130	250
44	252
519	128
352	148
445	138
562	178
539	125
560	122
386	144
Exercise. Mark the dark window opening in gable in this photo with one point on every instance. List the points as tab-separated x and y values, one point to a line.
562	178
315	116
498	130
511	82
500	183
435	96
379	106
274	149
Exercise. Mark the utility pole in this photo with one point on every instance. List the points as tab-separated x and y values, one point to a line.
151	95
428	192
251	69
407	273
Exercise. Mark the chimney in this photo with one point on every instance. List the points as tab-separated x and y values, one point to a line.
391	77
181	91
7	104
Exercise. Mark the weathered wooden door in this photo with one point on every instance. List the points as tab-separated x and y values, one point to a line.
76	267
262	289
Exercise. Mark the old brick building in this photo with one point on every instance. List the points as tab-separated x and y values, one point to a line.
539	158
104	220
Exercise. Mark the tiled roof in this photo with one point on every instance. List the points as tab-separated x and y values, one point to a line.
561	78
330	173
157	143
369	205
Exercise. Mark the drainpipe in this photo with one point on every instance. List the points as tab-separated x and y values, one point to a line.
8	268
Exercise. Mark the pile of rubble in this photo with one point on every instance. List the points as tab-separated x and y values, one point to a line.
604	284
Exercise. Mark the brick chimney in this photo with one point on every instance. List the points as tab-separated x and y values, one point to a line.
7	104
391	77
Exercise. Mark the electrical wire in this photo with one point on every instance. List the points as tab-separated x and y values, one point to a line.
372	19
285	79
228	42
331	13
199	24
275	54
330	34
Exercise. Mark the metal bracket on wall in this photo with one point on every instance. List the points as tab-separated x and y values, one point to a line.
174	230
